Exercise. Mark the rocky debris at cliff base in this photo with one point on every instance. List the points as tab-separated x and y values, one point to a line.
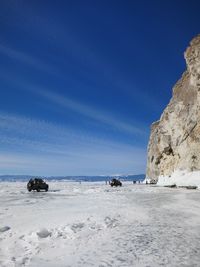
171	186
189	187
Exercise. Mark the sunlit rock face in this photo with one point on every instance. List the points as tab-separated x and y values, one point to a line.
175	139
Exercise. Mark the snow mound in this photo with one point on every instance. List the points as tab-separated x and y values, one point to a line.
43	233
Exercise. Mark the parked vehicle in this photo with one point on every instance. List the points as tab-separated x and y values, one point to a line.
37	184
115	182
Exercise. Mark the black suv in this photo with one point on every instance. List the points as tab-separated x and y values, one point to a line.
37	184
115	182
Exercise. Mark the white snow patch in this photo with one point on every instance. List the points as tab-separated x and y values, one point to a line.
181	178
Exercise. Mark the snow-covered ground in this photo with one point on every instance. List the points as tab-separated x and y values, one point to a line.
91	224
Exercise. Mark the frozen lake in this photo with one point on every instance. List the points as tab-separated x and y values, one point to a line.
91	224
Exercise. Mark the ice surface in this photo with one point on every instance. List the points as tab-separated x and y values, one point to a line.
91	224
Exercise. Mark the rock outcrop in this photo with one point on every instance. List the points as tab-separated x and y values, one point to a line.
175	139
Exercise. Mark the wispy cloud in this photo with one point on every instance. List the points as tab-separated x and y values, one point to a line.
39	147
31	61
93	164
99	115
90	112
87	62
39	134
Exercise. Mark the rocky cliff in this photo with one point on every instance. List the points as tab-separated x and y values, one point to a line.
175	139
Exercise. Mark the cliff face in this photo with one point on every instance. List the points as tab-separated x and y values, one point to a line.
175	139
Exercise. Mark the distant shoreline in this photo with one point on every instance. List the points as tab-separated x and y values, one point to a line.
13	178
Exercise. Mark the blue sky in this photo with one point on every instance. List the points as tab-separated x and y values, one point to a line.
82	81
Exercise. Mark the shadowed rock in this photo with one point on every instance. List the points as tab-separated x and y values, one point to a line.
4	229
